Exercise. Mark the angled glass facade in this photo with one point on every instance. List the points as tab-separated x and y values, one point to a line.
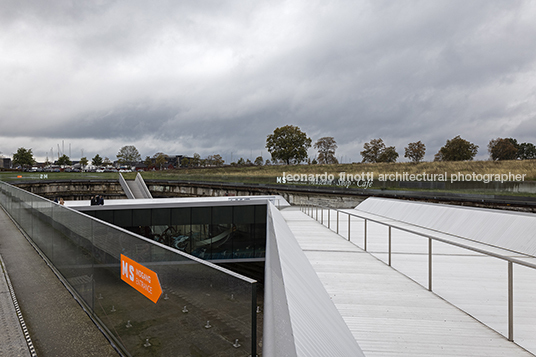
210	233
204	310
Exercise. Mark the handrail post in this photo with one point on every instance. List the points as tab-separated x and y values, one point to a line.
337	222
322	215
430	264
329	218
365	237
510	301
254	320
348	226
389	245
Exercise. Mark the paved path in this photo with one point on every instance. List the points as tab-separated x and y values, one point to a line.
56	323
12	339
388	313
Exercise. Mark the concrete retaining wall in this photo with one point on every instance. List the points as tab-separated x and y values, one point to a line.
332	197
180	189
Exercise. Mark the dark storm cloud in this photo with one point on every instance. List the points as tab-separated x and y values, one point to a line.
216	76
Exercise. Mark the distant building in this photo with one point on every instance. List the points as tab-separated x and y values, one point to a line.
5	163
172	161
177	160
140	166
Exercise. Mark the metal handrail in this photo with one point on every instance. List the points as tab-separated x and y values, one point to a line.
308	209
495	255
143	187
125	187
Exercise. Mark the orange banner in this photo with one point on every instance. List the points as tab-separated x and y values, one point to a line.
140	278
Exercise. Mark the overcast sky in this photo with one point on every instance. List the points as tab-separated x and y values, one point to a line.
210	77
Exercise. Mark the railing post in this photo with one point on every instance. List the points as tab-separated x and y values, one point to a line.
254	319
337	222
510	301
389	245
365	237
329	218
316	217
322	215
430	264
348	226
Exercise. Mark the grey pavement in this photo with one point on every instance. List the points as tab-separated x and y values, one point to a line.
56	323
12	339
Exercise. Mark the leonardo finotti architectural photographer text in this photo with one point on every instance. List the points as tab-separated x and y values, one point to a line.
366	179
363	180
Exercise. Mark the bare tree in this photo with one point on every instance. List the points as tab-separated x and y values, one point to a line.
503	149
259	161
376	151
128	155
160	160
415	151
326	150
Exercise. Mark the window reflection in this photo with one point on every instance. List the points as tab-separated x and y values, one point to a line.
226	232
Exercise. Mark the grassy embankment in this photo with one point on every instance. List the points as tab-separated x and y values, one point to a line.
268	174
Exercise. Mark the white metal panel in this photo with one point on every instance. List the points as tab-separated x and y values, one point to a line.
296	295
510	230
277	200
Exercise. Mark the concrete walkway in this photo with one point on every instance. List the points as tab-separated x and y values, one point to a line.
388	313
13	342
57	325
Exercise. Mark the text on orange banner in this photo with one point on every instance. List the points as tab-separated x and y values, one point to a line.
140	278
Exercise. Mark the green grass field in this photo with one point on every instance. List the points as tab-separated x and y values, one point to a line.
264	173
269	174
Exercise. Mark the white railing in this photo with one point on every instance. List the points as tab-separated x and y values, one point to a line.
319	213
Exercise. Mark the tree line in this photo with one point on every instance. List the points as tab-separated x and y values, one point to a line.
289	145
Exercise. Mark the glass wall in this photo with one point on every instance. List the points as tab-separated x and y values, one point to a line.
204	310
217	232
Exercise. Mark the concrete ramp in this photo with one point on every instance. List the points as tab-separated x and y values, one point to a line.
135	189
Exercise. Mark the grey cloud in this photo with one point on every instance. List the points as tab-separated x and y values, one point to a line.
220	76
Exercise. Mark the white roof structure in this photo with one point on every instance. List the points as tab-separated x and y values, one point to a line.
277	200
299	317
515	231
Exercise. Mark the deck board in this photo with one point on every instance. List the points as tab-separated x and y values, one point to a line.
388	313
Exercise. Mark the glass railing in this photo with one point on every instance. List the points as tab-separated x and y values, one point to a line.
203	309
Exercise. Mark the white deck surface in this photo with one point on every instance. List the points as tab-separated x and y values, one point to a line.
390	314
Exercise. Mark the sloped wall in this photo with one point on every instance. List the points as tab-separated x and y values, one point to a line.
511	230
